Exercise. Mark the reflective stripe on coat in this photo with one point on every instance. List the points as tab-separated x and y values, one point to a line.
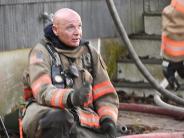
178	5
172	46
103	94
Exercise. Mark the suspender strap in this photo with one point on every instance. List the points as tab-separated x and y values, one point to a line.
53	54
92	61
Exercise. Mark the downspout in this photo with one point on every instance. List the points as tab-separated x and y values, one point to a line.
139	64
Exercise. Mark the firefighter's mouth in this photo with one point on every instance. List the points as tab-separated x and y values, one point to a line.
76	39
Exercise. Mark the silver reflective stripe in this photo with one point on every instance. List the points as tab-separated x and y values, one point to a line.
165	63
181	48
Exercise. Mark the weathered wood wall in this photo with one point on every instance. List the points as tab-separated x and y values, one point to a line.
155	5
21	26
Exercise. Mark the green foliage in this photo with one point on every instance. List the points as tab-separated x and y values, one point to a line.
112	51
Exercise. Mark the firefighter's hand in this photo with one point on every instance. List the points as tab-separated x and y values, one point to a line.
80	96
108	126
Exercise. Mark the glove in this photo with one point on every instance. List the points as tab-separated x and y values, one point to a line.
108	126
80	96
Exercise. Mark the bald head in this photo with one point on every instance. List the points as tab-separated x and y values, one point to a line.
64	14
67	26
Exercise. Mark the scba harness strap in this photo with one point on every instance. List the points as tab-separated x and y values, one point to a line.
57	72
64	78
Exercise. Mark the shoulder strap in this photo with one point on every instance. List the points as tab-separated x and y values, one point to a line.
57	71
91	54
53	54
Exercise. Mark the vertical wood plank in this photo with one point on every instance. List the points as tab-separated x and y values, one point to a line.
86	19
136	7
2	38
155	5
20	25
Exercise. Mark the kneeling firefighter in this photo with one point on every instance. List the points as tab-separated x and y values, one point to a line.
172	47
67	86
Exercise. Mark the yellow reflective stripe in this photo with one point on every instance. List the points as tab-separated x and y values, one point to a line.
89	119
38	83
108	111
57	98
172	47
102	89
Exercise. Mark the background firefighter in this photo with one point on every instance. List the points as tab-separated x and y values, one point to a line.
172	47
67	86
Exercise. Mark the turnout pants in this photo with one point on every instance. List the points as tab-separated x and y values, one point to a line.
45	122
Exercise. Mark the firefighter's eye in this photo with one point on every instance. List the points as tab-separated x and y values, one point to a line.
70	28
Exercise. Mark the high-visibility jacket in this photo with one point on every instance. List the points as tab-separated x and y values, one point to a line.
172	46
102	101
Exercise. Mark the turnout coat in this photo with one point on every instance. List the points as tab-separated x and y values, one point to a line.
172	47
102	101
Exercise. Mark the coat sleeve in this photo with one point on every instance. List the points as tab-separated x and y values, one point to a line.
105	97
39	70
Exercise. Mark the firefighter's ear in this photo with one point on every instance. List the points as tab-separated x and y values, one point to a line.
55	30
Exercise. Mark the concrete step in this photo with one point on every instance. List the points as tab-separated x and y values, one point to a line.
146	45
155	5
152	23
127	70
142	89
131	80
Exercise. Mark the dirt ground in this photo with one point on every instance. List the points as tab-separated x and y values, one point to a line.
139	123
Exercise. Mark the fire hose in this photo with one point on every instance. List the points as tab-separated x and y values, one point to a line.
147	75
153	110
139	64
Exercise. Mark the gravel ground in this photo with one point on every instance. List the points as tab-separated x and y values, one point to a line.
139	123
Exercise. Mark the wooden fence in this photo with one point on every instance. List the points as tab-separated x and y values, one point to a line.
21	25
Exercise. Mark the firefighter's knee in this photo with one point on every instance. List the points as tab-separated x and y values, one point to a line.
56	117
55	123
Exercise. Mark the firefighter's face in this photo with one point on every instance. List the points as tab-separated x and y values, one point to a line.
69	29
